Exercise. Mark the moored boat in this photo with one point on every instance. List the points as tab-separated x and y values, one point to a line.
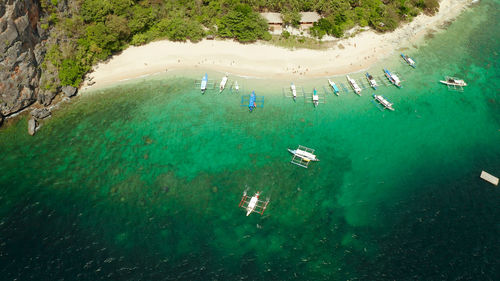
408	60
334	87
303	154
354	85
383	101
223	84
371	80
203	85
315	98
252	101
236	86
452	81
294	91
393	78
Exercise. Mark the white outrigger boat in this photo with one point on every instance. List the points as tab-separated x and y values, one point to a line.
371	80
236	86
302	156
222	84
204	82
409	60
383	101
354	85
294	91
334	87
393	78
452	81
315	98
253	204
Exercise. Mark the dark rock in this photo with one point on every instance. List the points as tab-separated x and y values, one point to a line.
19	8
3	26
40	113
1	119
45	97
39	53
69	91
22	23
32	125
8	37
2	9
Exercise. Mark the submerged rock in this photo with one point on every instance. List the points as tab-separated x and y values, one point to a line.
32	126
69	91
40	113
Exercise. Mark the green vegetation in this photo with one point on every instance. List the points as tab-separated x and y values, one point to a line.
243	24
99	28
381	15
295	42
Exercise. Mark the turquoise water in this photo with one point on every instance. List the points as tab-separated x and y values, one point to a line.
142	181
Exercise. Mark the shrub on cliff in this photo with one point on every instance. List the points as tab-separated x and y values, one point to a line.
71	73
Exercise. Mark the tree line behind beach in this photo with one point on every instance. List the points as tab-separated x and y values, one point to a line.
84	32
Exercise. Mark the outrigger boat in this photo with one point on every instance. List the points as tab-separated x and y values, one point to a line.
408	60
203	84
393	78
452	81
384	102
236	86
223	83
315	98
253	204
294	91
354	85
252	101
334	87
302	156
371	80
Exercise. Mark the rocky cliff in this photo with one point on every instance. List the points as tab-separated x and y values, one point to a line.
21	54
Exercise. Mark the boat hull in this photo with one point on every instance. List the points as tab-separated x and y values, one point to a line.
383	102
294	152
453	84
409	60
251	101
371	80
354	85
223	84
389	76
334	87
204	82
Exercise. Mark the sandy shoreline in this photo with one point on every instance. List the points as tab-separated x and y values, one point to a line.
265	61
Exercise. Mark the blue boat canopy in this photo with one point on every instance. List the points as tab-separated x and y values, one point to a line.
251	101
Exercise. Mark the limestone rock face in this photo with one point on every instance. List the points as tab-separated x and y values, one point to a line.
21	54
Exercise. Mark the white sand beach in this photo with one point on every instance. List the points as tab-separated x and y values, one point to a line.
266	61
